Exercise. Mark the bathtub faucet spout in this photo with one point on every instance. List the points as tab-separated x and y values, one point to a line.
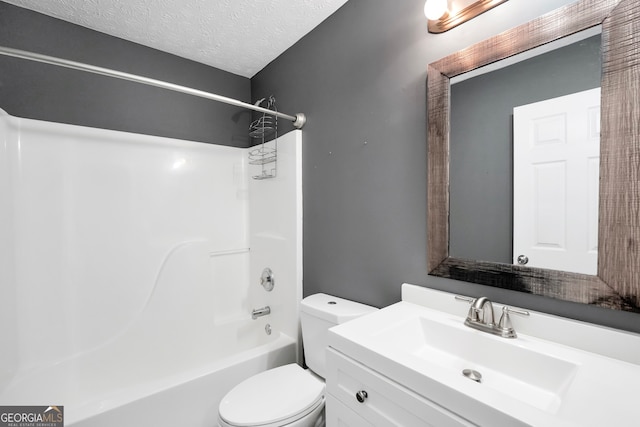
259	312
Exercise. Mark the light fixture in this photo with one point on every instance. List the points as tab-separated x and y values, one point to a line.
435	9
442	19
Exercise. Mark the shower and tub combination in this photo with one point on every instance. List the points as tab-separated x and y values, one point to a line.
131	265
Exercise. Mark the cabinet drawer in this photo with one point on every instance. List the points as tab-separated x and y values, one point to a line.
386	403
338	415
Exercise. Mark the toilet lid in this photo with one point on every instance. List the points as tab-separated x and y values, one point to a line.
272	396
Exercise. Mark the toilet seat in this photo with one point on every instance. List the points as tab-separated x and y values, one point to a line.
273	398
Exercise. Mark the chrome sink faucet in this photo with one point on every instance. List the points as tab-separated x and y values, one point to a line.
481	312
481	317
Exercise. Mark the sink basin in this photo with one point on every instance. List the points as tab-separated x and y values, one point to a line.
535	378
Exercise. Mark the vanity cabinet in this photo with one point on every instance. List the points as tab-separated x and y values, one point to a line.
358	396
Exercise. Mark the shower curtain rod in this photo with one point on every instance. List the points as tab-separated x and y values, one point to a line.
298	120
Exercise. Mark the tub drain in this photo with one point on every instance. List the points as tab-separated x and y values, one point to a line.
472	375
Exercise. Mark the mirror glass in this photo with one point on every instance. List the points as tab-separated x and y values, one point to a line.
524	157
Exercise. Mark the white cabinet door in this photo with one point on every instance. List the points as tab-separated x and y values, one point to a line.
386	403
556	158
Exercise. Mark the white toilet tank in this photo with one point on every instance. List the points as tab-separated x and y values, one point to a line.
318	313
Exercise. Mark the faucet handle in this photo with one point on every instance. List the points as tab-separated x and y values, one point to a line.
505	325
475	314
507	309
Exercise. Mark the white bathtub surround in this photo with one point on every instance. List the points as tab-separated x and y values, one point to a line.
127	270
276	235
8	311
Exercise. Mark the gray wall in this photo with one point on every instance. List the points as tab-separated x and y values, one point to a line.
361	77
481	165
44	92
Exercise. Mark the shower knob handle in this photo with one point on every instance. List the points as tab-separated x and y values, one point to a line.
267	280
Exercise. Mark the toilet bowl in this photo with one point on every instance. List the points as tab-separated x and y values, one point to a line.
290	395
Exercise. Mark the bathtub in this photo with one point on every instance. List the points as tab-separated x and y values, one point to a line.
173	361
129	268
130	385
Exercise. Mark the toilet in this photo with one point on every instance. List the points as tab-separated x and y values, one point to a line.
290	395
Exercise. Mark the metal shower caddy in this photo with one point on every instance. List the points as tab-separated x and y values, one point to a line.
262	128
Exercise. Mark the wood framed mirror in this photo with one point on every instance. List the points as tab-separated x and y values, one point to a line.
617	282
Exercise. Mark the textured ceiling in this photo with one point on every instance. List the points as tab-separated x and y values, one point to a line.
239	36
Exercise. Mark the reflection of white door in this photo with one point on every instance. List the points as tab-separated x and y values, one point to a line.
556	162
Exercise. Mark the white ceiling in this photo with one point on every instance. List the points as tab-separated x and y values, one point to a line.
239	36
